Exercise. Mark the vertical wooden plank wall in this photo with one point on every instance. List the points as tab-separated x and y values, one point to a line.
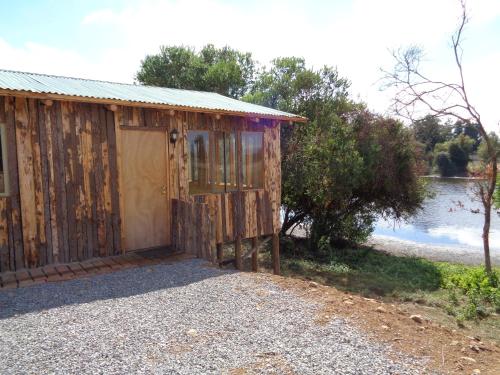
63	204
272	171
64	171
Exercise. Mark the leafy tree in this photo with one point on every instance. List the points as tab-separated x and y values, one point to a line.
467	129
430	131
458	157
458	151
482	150
445	165
222	70
346	165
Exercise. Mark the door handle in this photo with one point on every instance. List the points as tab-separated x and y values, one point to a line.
164	190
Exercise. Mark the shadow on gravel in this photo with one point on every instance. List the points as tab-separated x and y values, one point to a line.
119	284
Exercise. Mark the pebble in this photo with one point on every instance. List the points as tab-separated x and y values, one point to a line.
192	332
468	359
417	318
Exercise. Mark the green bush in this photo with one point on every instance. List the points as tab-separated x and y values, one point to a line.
444	164
479	290
458	157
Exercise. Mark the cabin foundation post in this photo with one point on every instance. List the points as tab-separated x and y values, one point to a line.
275	255
219	254
237	253
213	254
255	254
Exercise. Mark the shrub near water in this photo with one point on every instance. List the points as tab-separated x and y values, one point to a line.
478	291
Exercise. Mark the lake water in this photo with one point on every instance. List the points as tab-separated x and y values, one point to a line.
443	222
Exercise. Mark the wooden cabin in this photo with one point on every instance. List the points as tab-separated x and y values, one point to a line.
94	169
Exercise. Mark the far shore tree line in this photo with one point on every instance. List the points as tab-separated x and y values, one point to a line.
347	165
451	149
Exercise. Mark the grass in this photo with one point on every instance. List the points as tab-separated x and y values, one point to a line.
461	294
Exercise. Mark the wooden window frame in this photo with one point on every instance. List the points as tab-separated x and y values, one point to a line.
5	165
262	177
209	161
212	144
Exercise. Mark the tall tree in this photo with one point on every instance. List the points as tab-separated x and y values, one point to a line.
346	165
429	130
414	89
469	130
222	70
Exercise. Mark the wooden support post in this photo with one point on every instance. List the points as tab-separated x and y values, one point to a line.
237	253
276	254
255	254
219	254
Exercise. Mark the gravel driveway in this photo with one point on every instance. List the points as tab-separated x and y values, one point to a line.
182	318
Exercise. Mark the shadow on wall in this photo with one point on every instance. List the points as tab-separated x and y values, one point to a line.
119	284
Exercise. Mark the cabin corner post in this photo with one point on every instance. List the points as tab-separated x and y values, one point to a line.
237	253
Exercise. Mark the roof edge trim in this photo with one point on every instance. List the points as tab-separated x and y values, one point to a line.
90	99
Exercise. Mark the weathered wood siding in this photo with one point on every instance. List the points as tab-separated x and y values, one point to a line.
192	229
63	201
64	163
269	197
246	214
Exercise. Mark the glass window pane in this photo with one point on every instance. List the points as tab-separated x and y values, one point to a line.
252	149
199	180
230	146
213	161
219	170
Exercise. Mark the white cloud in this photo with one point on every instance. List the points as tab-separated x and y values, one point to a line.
39	58
100	16
355	37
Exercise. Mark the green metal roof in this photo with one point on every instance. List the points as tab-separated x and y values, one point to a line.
86	88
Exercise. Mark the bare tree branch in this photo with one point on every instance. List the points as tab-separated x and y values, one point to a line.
414	89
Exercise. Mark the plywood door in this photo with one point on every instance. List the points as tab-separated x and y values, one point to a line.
146	218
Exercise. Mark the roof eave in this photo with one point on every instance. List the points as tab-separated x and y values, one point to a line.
88	99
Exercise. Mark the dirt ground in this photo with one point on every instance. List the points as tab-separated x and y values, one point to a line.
405	327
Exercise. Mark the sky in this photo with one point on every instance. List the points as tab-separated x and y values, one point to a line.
107	39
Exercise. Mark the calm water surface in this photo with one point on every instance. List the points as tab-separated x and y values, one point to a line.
443	221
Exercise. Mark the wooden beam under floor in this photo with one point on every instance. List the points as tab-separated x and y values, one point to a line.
237	253
219	254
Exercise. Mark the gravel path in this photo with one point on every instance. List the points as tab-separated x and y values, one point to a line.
183	318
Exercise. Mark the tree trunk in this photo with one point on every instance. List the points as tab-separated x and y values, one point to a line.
486	235
487	199
291	221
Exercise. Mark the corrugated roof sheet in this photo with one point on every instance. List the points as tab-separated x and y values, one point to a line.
78	87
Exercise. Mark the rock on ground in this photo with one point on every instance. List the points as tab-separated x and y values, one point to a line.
183	318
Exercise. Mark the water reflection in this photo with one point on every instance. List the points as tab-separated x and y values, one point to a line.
446	219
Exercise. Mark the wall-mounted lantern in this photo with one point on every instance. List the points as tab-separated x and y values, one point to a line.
174	133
